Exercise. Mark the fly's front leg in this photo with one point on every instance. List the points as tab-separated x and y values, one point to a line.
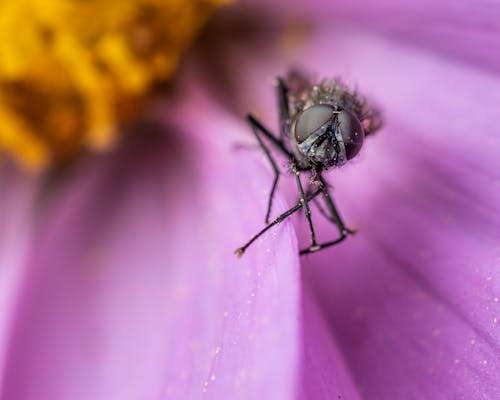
304	200
333	216
241	250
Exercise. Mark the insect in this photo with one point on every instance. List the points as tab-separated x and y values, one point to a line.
321	126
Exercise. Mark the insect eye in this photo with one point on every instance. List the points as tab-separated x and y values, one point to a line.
352	133
311	119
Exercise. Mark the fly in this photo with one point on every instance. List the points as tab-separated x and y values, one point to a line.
322	126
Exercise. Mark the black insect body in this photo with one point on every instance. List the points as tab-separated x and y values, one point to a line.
321	126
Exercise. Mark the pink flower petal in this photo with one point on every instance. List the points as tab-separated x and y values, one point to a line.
324	371
414	298
411	302
17	195
134	291
463	29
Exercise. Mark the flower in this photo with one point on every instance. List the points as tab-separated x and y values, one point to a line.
126	286
76	69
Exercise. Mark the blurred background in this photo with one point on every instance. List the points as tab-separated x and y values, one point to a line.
122	199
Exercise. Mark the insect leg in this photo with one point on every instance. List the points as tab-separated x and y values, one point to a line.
334	217
255	130
277	142
283	108
321	246
305	204
239	252
333	214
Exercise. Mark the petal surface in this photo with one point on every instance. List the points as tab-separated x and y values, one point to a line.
325	372
17	195
408	308
413	298
465	30
133	289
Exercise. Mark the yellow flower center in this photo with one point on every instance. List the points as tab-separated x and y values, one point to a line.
70	70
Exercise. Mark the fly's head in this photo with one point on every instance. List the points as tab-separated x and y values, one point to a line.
326	136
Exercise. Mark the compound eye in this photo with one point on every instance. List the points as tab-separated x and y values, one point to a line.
352	133
311	119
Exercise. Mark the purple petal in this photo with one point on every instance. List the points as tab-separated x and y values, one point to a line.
411	302
467	30
414	298
324	369
326	374
17	194
133	289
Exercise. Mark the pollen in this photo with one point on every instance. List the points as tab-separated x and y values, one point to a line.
78	69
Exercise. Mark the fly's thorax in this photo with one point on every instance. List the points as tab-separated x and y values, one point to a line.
326	136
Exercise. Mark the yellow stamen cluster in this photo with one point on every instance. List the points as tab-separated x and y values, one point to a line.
71	69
